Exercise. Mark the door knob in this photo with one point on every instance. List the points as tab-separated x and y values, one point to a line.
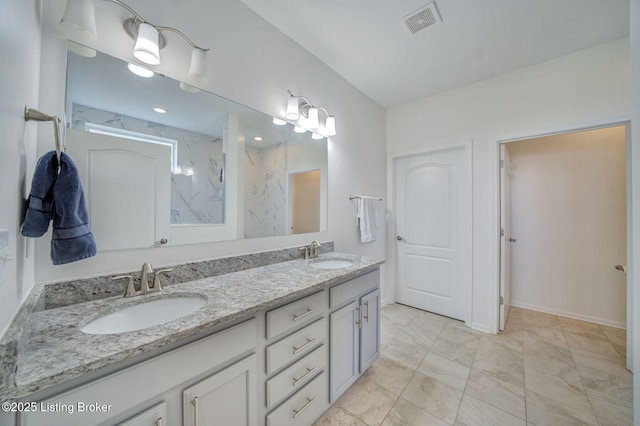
399	238
512	240
621	268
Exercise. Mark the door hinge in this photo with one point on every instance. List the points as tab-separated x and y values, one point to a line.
502	232
501	300
501	164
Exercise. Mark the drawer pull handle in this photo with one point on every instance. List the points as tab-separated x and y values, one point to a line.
195	411
366	311
296	317
298	349
304	376
159	422
310	401
358	316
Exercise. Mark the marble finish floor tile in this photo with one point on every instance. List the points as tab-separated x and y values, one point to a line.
542	370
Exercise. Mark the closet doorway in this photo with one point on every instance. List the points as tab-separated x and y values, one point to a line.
565	199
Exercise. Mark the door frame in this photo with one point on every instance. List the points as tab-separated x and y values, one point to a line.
392	252
629	242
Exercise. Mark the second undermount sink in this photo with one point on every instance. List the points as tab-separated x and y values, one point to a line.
145	314
331	264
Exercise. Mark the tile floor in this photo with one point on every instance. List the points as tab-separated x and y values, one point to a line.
543	370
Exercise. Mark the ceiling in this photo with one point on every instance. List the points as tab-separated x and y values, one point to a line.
366	42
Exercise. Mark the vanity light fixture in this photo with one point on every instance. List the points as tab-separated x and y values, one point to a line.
188	88
140	71
316	136
279	121
79	20
299	129
300	108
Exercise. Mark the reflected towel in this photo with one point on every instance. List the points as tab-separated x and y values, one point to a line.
72	239
368	218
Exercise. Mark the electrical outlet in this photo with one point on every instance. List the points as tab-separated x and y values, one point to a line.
4	238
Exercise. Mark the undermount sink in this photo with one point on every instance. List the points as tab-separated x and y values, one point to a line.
145	314
331	264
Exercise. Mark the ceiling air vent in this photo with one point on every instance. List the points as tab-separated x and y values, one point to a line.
422	18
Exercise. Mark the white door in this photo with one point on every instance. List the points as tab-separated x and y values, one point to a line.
433	224
127	187
505	235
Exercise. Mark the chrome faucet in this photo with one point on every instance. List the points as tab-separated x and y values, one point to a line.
313	249
144	277
144	281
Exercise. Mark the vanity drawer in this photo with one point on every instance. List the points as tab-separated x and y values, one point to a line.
296	345
303	407
295	313
296	376
351	289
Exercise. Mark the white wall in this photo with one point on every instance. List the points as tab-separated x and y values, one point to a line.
19	82
254	64
574	91
568	216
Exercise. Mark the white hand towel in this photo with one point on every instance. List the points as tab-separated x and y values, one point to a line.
368	218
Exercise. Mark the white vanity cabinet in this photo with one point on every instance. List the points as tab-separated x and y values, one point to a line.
354	330
128	394
296	362
154	416
227	396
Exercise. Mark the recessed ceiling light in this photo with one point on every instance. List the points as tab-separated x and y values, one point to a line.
140	71
278	121
160	110
257	138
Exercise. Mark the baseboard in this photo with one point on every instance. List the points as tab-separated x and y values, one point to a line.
481	327
597	320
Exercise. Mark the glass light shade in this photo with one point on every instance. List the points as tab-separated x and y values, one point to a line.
293	111
146	48
299	129
312	118
279	121
79	19
316	136
330	126
198	66
140	71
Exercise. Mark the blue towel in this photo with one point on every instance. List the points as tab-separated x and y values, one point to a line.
40	210
72	239
59	196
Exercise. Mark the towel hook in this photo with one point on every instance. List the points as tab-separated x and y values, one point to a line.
35	115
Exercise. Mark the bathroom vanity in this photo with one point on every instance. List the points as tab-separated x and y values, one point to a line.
272	345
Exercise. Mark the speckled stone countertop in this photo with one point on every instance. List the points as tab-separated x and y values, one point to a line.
52	349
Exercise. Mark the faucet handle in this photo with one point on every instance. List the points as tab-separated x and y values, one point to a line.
131	288
306	251
156	279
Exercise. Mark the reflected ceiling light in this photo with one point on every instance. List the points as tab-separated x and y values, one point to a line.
160	110
257	138
300	108
316	135
79	21
279	121
299	129
140	71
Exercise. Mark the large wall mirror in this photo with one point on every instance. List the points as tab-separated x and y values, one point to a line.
163	163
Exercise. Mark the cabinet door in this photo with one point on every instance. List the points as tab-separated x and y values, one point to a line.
344	348
370	330
228	397
154	416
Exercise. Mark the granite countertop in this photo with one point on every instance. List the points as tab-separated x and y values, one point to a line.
52	349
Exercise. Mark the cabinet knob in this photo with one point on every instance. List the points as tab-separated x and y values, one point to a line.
399	238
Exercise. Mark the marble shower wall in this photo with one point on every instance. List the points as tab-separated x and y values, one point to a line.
195	199
265	195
